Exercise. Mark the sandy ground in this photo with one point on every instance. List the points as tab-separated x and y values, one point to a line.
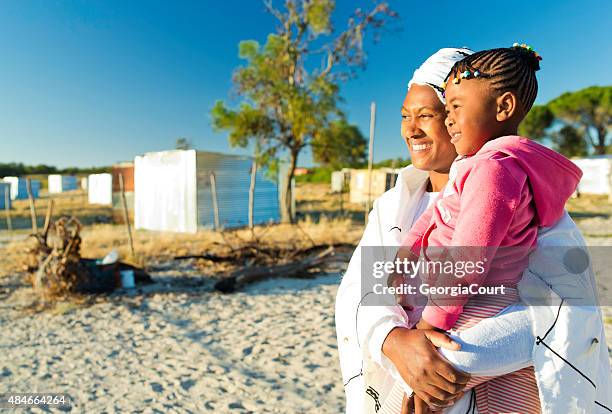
178	346
269	349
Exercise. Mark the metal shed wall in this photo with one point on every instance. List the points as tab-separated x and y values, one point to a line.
99	189
597	175
233	177
4	188
19	189
60	183
165	191
360	190
127	170
340	180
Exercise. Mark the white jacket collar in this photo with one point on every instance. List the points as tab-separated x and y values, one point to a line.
411	178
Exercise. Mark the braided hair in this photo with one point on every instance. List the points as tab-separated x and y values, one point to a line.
507	69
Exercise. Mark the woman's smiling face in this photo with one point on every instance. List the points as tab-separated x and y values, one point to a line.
424	131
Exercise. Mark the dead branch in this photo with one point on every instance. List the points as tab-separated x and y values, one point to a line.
314	261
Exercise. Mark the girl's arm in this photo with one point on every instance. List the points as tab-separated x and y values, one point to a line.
495	346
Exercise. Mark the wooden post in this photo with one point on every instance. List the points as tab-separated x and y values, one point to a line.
213	189
7	207
47	225
293	200
370	157
342	194
610	184
32	206
126	215
252	193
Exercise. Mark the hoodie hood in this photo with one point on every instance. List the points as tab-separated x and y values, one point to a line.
552	177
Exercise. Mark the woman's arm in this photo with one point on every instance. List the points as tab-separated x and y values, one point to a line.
363	331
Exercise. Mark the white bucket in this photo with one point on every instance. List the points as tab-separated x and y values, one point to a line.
127	279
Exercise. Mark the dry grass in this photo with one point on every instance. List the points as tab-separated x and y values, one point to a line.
72	203
320	222
317	200
588	205
155	247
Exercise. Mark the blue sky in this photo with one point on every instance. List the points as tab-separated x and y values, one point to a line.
90	83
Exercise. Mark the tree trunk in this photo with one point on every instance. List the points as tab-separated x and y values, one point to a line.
286	195
600	148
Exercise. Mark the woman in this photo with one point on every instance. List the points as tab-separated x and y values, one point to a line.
376	344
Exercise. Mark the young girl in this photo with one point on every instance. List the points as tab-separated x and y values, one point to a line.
502	187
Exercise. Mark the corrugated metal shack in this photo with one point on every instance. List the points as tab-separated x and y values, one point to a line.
340	180
127	170
61	183
597	174
383	179
5	194
100	189
173	191
19	188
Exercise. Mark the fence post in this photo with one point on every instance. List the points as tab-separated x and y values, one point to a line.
252	193
47	224
342	197
293	199
370	157
126	215
32	206
213	189
7	208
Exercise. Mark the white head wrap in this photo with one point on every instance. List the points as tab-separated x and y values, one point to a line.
435	69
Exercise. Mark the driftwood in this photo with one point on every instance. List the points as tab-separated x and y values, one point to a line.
255	258
211	257
57	265
316	257
264	254
57	268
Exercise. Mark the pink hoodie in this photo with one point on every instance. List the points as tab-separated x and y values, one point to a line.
497	197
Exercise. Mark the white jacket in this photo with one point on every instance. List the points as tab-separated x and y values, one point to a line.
361	330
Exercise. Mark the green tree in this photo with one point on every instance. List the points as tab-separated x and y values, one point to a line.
398	162
537	122
19	169
589	111
569	142
340	145
183	144
288	101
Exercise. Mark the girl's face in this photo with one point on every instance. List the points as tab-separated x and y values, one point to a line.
471	114
424	131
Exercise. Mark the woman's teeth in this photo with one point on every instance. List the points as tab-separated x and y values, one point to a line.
421	147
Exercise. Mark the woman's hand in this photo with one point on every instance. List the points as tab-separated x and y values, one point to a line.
433	379
423	324
416	405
